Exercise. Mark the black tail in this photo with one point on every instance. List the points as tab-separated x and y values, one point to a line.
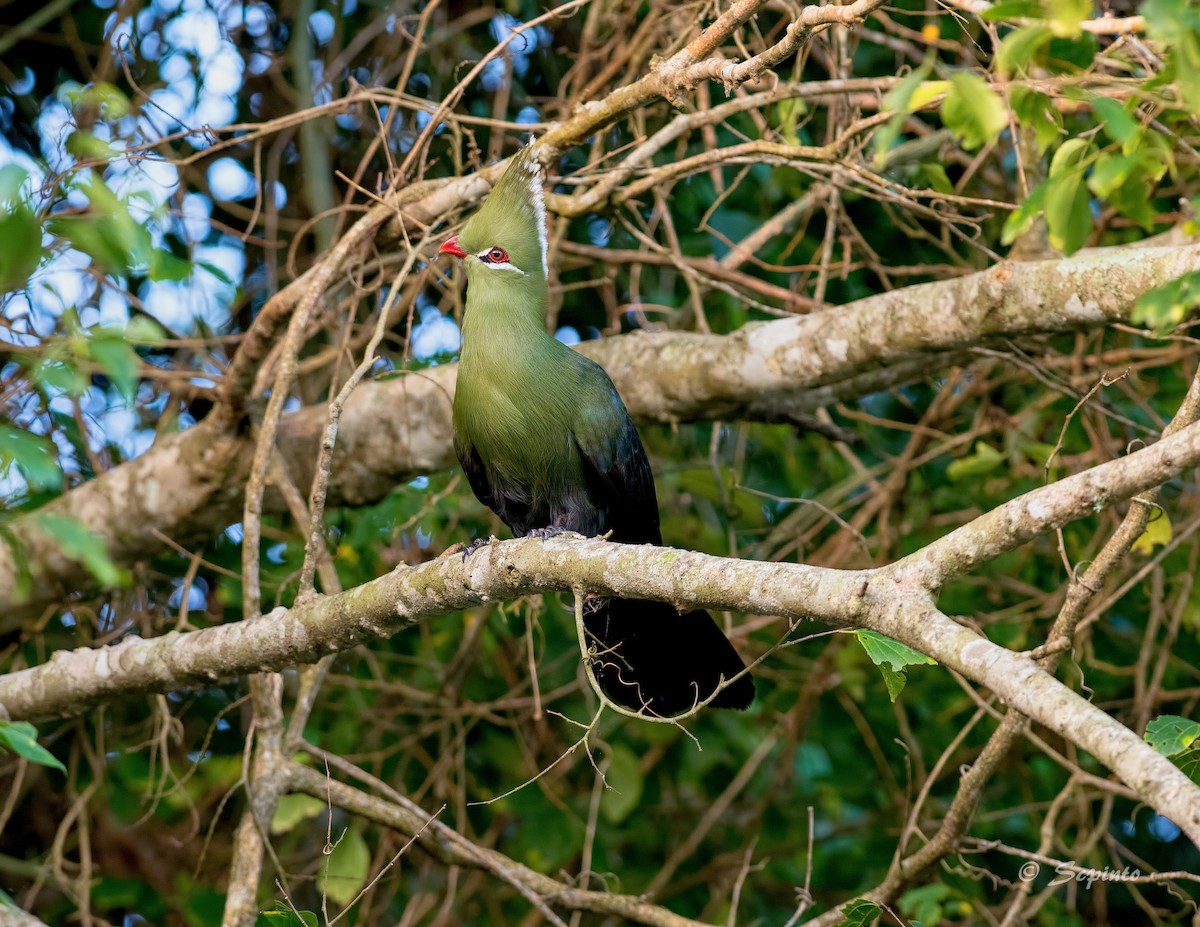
649	658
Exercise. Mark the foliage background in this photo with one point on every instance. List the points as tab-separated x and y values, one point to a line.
167	166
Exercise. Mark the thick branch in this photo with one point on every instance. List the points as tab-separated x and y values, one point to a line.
189	486
895	600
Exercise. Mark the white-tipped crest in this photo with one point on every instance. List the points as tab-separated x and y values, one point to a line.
538	195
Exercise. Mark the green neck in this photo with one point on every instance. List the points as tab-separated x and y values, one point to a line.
505	321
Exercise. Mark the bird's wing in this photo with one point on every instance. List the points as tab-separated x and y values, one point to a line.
618	474
476	473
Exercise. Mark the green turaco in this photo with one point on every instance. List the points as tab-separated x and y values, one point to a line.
548	445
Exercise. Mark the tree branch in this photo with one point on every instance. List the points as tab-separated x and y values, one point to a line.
896	600
189	486
447	845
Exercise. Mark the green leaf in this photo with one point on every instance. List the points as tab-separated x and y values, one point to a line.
925	903
1110	172
1020	47
21	738
60	375
1007	10
144	330
1066	16
1158	532
116	358
935	175
86	145
897	100
1035	110
1175	24
927	92
166	266
106	231
1116	120
859	913
283	916
1068	212
624	780
983	461
1171	735
1023	217
882	649
1166	306
1069	156
12	180
78	543
891	657
790	112
893	680
1042	454
972	111
216	272
107	98
345	870
1071	54
34	455
20	232
294	808
1134	199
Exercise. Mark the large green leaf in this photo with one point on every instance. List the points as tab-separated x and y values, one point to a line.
34	455
1068	212
20	737
1067	16
898	100
892	658
1176	25
1007	10
1023	217
973	111
1019	48
624	780
1110	173
1070	156
981	462
1116	120
1171	735
106	231
1165	306
860	913
116	358
292	809
80	544
344	872
283	916
1034	110
20	231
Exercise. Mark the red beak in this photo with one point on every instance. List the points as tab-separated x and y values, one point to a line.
450	246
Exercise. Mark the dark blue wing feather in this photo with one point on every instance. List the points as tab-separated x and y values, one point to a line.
620	482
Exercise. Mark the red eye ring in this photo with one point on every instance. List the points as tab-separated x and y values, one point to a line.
496	256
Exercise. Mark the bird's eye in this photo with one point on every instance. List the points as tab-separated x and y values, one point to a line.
496	256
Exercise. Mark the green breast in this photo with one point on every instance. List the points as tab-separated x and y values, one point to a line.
518	409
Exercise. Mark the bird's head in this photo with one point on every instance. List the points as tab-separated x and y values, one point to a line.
505	242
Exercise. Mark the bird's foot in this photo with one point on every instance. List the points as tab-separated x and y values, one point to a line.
549	532
476	544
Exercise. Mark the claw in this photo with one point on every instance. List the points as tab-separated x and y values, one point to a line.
547	533
475	545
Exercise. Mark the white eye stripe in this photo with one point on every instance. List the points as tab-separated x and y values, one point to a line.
506	266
